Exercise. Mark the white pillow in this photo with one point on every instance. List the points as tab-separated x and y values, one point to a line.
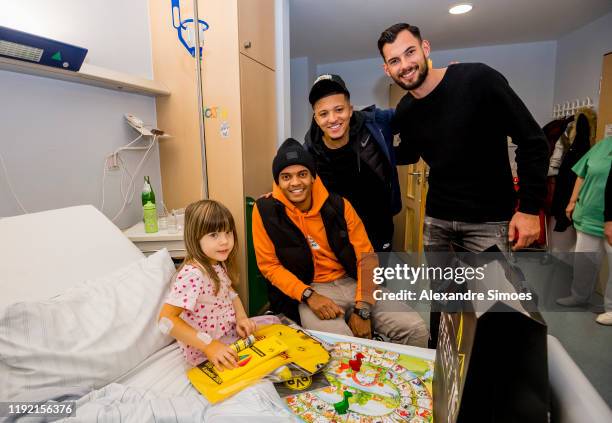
86	337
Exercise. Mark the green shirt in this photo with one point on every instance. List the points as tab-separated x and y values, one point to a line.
594	167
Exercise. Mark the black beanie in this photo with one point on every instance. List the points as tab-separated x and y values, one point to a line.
290	153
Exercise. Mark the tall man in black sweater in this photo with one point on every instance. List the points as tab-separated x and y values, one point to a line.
458	119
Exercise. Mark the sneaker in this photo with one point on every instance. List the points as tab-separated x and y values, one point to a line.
605	318
570	302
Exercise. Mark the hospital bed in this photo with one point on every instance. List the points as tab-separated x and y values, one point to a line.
78	307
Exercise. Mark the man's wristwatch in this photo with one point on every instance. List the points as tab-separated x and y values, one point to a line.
364	313
307	294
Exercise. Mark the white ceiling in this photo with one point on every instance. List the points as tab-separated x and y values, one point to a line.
340	30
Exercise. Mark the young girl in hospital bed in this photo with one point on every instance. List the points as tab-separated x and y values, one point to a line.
202	310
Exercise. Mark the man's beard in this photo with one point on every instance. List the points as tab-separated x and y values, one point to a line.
422	74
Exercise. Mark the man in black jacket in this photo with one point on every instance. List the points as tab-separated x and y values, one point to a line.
353	152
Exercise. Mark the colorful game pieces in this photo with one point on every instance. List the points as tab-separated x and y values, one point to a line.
356	363
342	406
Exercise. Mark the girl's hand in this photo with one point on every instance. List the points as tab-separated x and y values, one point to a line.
221	355
245	327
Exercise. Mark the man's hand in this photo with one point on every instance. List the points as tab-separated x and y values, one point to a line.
608	231
266	195
324	308
360	328
528	227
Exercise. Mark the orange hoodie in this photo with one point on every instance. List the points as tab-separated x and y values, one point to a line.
327	268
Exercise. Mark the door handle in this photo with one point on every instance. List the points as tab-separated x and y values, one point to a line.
247	44
419	175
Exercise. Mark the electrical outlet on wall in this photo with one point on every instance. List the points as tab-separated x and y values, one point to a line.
112	162
137	124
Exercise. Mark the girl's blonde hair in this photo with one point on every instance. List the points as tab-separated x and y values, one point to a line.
201	218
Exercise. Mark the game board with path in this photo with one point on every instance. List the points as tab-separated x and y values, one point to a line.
382	386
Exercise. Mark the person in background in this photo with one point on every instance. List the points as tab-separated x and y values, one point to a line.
202	310
314	251
589	209
354	157
608	209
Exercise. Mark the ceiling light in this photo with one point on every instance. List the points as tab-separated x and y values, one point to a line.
460	8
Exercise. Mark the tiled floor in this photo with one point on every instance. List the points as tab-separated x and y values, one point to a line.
586	341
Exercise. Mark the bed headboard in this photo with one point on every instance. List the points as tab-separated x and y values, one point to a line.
43	254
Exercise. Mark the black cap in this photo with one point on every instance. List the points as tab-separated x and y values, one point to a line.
326	84
290	153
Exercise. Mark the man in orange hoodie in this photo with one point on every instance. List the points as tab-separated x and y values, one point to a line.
315	253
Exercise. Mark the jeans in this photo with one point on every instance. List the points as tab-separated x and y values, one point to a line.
438	235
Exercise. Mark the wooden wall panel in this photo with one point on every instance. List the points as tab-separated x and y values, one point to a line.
180	157
259	125
605	96
256	26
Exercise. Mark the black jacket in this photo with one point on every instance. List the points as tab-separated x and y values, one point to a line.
374	190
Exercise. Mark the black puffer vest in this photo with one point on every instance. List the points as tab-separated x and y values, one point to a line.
293	251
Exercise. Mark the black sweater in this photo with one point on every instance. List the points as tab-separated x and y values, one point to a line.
460	129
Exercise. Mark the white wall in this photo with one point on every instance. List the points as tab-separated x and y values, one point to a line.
529	67
283	69
301	112
364	79
579	60
55	134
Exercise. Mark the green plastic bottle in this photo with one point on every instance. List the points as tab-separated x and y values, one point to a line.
150	217
147	192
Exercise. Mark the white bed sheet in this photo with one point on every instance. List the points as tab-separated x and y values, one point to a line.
43	254
165	374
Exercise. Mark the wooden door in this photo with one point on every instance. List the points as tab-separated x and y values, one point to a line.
258	96
256	30
604	127
408	234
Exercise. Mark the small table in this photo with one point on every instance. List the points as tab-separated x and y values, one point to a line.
150	243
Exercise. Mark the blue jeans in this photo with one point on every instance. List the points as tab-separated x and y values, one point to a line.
438	235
